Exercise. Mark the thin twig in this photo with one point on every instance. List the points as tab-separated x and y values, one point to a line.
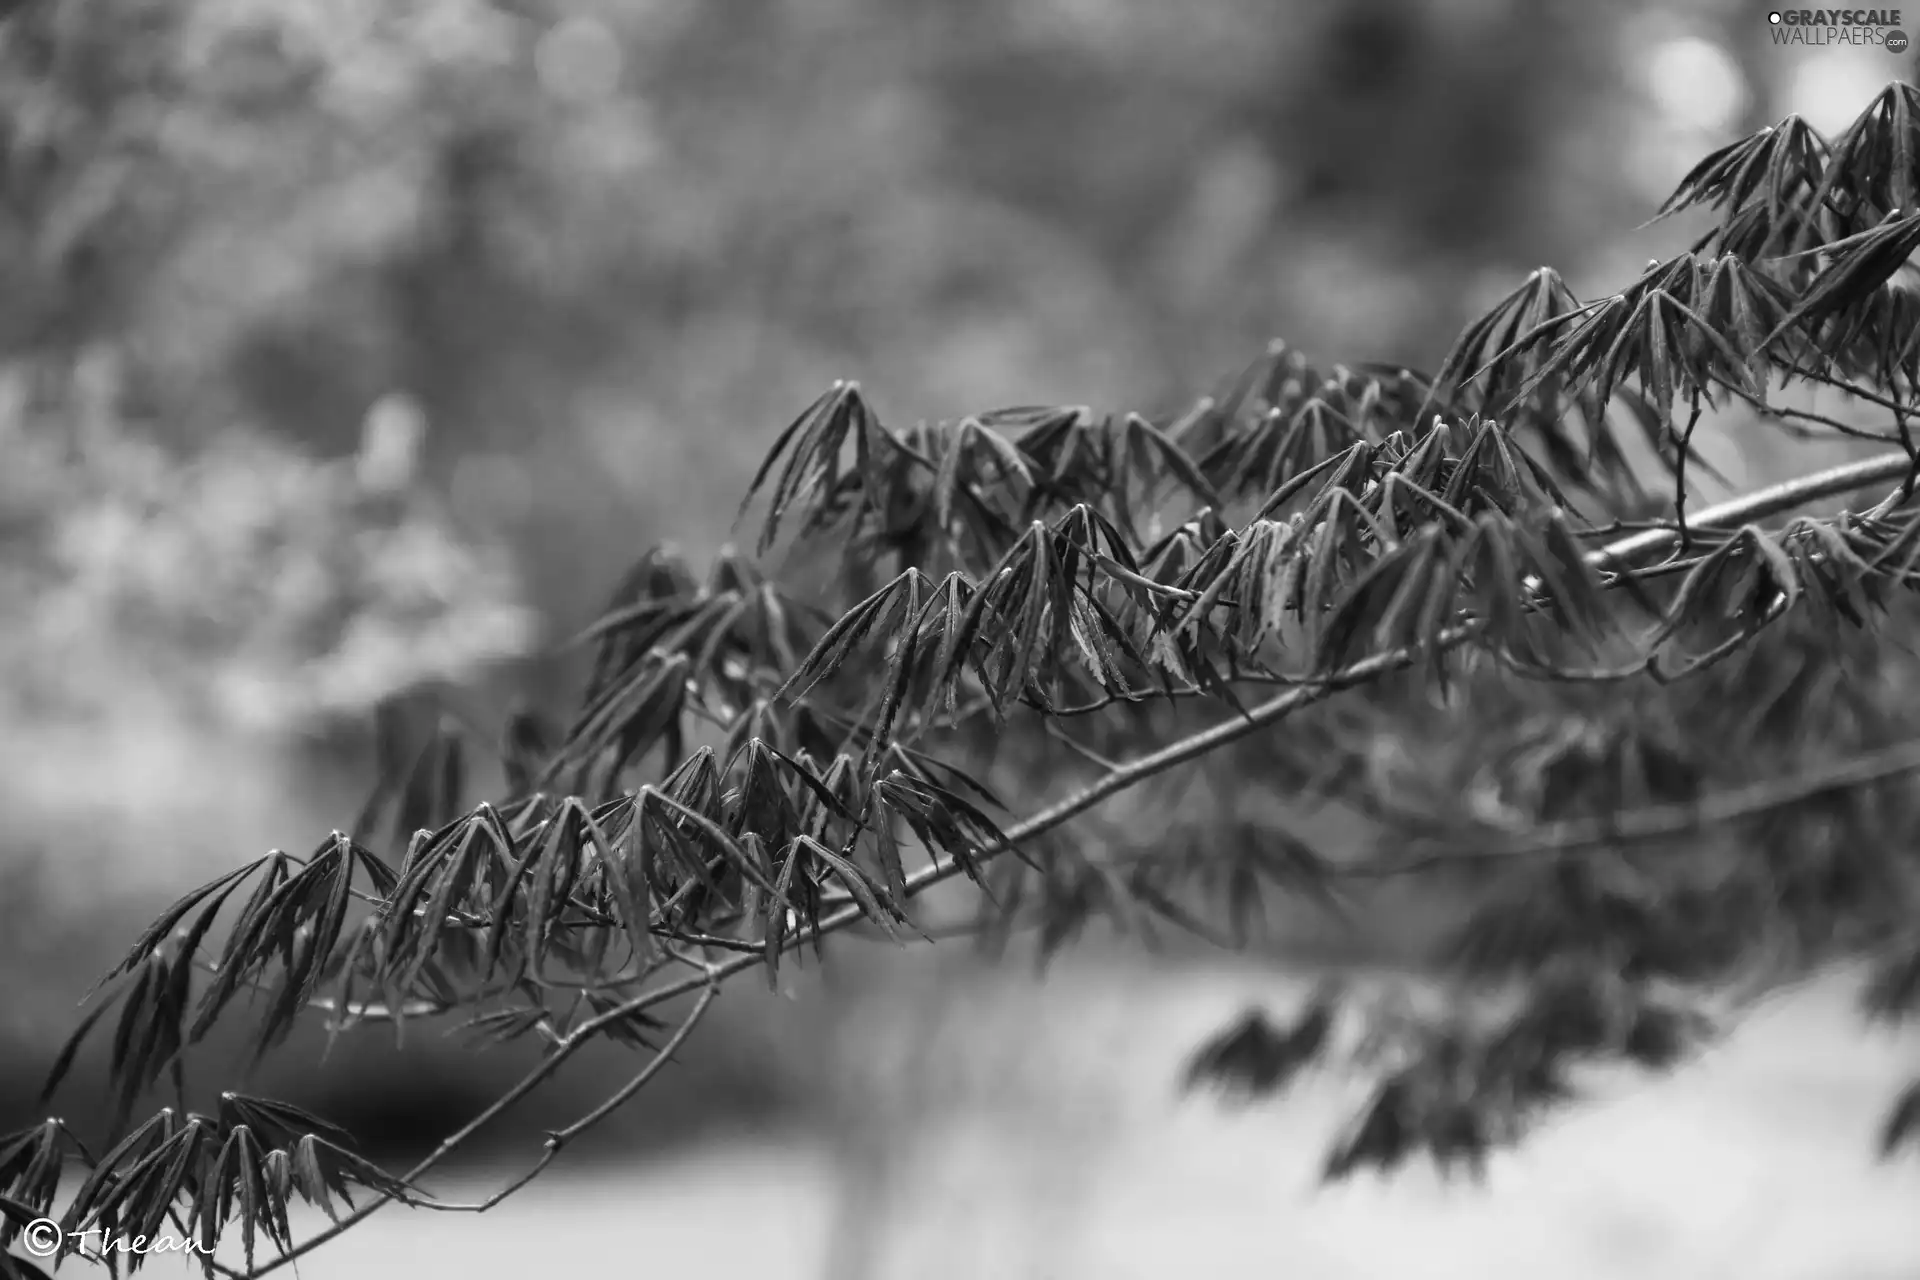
1078	747
563	1049
557	1139
1787	413
1769	501
1853	389
1654	822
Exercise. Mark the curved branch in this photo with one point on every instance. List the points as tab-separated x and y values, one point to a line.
567	1046
1769	501
559	1138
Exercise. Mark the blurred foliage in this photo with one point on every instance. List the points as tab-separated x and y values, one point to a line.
607	246
323	588
602	249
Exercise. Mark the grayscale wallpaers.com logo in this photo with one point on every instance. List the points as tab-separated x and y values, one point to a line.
1839	26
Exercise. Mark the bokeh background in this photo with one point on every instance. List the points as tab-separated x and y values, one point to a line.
350	349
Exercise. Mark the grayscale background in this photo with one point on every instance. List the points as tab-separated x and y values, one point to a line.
381	335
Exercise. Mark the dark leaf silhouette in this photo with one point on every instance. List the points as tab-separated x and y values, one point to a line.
1903	1121
1259	1059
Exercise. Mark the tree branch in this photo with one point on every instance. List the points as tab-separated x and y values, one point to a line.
1655	821
563	1049
1769	501
559	1138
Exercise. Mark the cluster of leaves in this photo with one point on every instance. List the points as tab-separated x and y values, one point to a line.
749	772
1453	1089
183	1173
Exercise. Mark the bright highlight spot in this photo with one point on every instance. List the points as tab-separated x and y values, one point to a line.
1833	86
1696	84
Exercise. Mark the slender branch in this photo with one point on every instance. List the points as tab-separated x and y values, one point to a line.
1614	528
1785	413
1079	748
1141	697
559	1138
1768	501
1120	779
1656	821
563	1049
1853	389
